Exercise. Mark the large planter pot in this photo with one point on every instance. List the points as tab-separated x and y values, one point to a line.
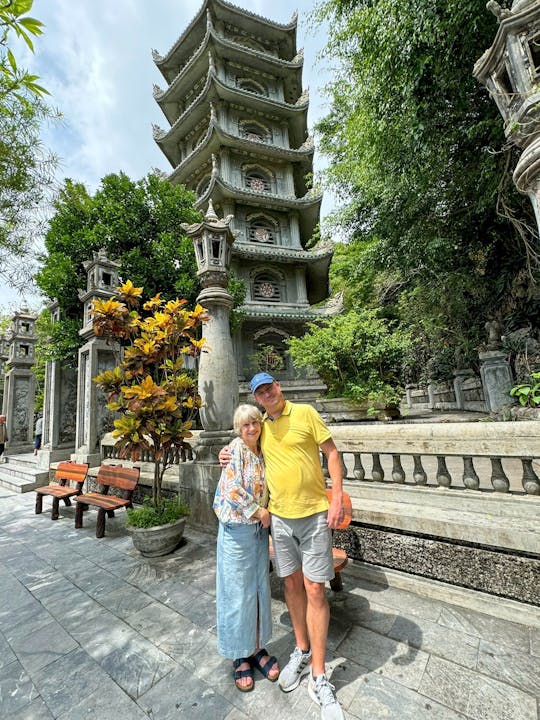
159	540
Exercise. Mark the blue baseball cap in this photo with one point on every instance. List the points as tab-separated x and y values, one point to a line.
260	379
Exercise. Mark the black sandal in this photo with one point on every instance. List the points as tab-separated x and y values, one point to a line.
243	673
268	665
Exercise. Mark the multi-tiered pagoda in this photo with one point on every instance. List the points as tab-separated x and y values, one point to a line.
238	136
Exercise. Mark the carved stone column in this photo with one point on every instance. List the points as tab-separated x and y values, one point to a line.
218	380
95	356
59	408
20	383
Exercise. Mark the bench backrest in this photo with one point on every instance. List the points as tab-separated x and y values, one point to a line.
118	476
69	471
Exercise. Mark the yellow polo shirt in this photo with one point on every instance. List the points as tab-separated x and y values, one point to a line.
290	446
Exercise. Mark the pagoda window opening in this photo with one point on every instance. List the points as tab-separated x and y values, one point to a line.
106	279
257	180
534	49
267	288
270	350
25	327
251	86
255	131
24	350
263	230
504	84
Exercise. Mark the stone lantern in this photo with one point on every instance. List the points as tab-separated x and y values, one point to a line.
217	378
218	381
510	69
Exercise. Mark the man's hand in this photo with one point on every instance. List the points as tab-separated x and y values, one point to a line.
263	516
224	456
336	512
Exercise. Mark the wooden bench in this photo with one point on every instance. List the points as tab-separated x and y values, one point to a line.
66	473
122	478
339	555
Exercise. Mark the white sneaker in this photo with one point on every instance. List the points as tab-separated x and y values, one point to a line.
294	670
324	694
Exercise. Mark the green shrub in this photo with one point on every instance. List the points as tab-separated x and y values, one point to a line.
148	515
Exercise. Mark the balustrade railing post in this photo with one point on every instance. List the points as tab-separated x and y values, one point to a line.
531	481
359	472
398	474
419	474
444	479
498	476
377	472
470	478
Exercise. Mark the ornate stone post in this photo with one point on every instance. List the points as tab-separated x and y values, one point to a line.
95	356
495	369
20	383
510	69
218	380
59	408
3	359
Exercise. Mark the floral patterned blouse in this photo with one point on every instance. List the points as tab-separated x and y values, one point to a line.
241	490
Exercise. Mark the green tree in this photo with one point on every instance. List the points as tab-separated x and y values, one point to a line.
26	165
415	148
138	223
356	354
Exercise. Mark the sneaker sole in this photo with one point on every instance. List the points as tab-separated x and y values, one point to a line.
297	682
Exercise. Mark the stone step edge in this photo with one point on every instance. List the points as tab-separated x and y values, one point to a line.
499	607
17	484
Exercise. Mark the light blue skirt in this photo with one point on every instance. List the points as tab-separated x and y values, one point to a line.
242	589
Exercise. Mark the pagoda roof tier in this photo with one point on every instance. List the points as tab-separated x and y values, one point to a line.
214	90
277	312
281	37
316	262
308	206
216	137
215	44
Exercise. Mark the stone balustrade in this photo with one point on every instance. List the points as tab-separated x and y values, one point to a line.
503	457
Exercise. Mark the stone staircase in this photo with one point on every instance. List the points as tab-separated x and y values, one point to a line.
20	473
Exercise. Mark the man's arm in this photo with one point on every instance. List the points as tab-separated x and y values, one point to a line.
335	511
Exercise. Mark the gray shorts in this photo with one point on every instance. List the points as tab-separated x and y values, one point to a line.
303	542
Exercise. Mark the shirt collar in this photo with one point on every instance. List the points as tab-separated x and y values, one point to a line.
286	411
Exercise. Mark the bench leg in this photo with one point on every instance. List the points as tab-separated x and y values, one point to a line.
39	503
100	523
79	515
110	513
55	507
67	502
337	583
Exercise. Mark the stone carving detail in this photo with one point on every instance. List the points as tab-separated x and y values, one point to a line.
20	420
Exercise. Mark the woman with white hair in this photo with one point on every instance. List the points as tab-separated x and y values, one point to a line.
244	622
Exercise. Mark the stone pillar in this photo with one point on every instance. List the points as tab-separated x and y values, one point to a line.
3	359
59	408
20	383
496	379
218	380
96	355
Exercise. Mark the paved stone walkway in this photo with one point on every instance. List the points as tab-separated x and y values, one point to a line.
91	630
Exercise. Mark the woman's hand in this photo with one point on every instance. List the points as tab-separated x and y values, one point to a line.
224	456
263	516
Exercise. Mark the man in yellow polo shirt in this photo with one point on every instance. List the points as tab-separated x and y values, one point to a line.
302	523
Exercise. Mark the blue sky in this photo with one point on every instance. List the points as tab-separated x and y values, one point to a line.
95	60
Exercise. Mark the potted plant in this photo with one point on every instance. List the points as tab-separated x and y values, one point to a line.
155	395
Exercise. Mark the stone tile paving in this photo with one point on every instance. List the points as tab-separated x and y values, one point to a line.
91	630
